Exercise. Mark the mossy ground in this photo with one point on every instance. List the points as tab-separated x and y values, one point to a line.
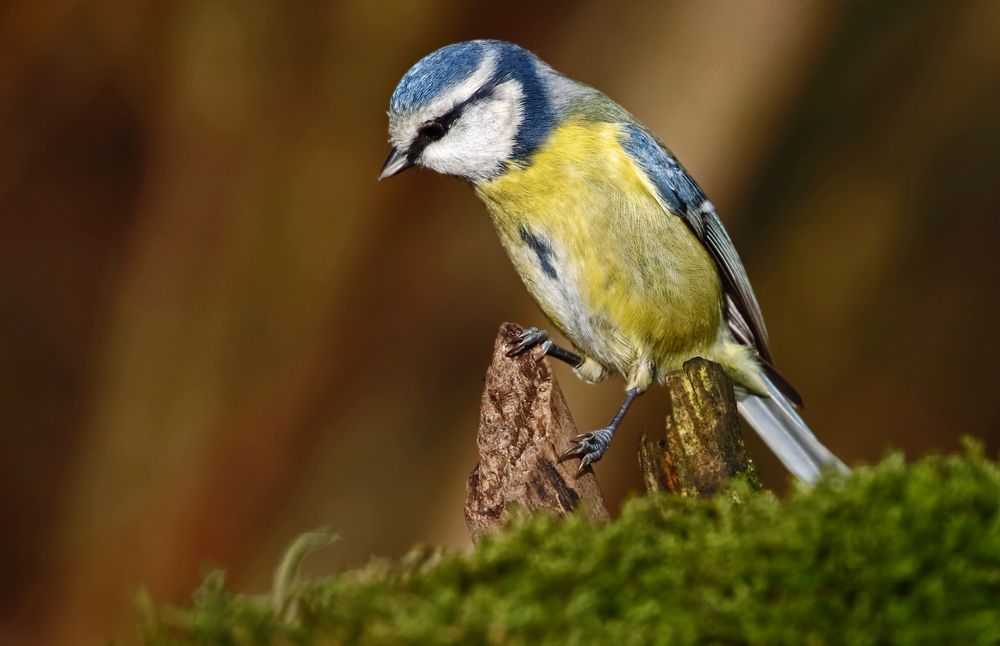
891	554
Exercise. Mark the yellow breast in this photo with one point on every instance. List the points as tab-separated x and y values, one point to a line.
622	278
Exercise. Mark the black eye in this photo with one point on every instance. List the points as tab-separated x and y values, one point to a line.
433	131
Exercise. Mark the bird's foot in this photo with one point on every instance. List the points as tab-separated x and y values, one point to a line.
533	336
589	447
528	339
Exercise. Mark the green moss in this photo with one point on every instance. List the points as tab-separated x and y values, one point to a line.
891	554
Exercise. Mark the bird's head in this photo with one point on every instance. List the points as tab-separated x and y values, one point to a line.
468	109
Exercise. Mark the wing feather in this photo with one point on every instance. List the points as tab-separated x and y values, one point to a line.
681	196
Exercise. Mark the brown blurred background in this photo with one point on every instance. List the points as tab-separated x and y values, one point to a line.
218	330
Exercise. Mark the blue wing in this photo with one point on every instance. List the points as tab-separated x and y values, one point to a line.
685	199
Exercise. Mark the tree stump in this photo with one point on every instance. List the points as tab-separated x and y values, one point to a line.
524	426
703	448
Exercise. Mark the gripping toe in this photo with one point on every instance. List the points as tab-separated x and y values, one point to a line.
526	340
589	447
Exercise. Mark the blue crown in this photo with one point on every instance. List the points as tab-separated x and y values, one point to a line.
437	72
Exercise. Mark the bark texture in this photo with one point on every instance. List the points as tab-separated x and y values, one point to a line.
524	426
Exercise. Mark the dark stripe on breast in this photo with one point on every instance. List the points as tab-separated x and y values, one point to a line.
542	249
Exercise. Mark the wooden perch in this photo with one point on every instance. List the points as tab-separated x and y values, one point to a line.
703	448
524	426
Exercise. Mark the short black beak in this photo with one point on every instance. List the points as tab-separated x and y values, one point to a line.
395	163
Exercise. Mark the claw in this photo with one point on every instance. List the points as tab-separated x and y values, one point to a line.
528	339
574	451
589	447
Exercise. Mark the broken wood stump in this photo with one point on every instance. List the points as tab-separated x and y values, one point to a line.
524	426
703	448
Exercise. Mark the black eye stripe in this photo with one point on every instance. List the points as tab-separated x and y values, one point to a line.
438	127
435	130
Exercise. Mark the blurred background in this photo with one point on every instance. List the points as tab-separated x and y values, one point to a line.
219	331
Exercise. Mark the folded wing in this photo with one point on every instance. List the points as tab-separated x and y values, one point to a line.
681	196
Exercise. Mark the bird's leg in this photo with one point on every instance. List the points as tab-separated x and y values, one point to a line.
534	336
591	446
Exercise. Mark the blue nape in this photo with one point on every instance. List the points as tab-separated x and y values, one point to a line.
539	118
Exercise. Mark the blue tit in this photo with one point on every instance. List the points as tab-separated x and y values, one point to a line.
612	237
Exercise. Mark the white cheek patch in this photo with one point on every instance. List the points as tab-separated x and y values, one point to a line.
403	130
482	138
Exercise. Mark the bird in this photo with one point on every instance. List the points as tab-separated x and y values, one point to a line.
612	237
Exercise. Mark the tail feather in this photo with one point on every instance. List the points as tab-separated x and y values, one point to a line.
784	432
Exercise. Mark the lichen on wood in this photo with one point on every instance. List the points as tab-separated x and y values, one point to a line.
702	449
